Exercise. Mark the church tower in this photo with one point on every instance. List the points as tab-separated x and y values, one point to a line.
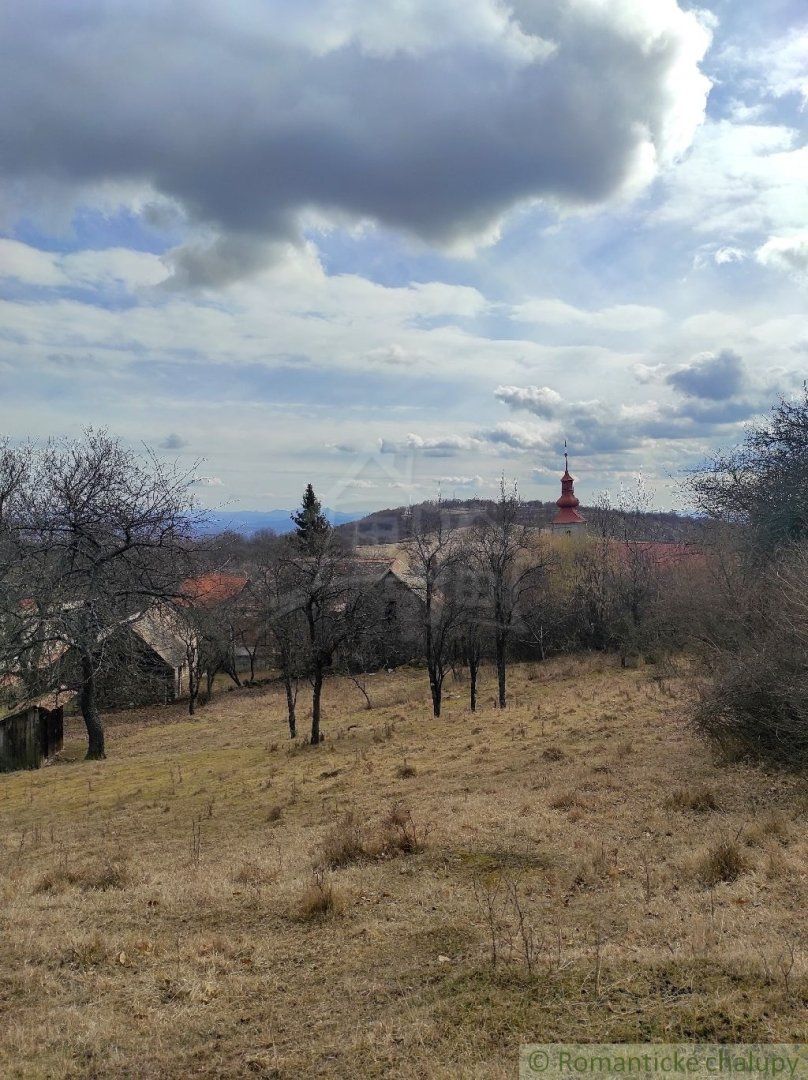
567	521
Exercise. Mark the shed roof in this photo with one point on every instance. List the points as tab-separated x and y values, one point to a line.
50	701
160	630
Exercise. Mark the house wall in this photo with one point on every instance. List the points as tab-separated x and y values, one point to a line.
402	610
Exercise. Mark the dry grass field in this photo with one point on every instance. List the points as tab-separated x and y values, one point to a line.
411	899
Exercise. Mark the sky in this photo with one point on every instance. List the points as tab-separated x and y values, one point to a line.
400	247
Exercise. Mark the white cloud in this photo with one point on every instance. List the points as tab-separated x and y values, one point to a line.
29	265
93	269
646	373
784	64
738	179
619	318
461	481
515	436
540	400
113	266
728	255
789	253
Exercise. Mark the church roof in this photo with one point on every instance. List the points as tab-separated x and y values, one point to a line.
568	515
568	503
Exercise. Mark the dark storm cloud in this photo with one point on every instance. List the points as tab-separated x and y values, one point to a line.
595	427
248	115
715	377
173	442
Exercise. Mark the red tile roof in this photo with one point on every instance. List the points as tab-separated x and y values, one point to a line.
214	588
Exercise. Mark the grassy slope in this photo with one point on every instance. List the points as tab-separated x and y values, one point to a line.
148	903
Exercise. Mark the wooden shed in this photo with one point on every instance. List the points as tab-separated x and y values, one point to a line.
33	731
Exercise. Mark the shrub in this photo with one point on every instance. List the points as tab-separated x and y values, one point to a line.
757	704
343	843
347	842
319	900
101	876
84	953
569	800
725	861
400	834
771	826
699	798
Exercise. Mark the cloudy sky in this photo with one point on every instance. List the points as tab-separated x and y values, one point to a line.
398	245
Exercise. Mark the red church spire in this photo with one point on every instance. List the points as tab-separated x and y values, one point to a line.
568	503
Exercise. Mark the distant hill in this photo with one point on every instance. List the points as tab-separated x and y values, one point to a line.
387	526
249	522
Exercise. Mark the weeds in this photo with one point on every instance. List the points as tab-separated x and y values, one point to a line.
772	826
319	899
698	798
108	874
568	800
400	835
724	862
348	842
343	844
509	931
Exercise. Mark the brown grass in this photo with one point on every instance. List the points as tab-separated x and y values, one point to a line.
698	797
159	918
319	900
107	874
724	861
343	843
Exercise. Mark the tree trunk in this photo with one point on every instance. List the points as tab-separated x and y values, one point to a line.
291	698
317	692
89	710
473	669
436	689
193	679
500	652
193	690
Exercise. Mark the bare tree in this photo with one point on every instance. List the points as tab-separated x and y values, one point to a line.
617	571
545	612
277	611
103	533
431	546
503	551
472	625
635	569
593	572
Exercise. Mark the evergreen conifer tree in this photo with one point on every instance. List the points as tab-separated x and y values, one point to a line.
310	521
